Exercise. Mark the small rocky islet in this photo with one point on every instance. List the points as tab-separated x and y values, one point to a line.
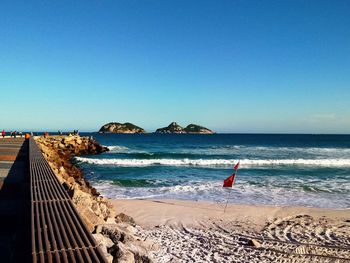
190	129
116	127
172	128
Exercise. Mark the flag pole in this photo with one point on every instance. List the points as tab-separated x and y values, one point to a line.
234	179
226	205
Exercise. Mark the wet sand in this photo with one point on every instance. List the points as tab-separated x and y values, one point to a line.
189	231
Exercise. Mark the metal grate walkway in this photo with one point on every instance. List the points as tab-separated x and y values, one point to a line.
58	232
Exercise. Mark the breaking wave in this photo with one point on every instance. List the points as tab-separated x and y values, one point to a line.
216	162
242	192
238	149
116	148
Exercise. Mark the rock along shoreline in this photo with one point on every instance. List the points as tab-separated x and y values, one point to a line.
113	232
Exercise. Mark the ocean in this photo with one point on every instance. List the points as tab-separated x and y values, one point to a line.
302	170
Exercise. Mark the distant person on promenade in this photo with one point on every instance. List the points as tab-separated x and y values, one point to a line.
20	134
14	134
3	133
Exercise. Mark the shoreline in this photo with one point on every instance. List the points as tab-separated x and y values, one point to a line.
202	232
204	208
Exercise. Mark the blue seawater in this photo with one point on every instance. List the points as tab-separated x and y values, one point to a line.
306	170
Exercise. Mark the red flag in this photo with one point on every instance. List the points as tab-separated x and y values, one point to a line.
236	166
228	182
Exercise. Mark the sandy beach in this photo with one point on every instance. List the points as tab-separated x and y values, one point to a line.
189	231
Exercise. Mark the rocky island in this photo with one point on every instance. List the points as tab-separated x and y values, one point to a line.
190	129
172	128
116	127
196	129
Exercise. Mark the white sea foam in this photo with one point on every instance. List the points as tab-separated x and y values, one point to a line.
116	148
271	152
266	151
217	162
242	192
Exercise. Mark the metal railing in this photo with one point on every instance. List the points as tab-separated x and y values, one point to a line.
58	232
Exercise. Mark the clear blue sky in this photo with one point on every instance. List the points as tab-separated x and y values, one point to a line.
233	66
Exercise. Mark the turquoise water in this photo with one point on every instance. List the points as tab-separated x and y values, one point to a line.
308	170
